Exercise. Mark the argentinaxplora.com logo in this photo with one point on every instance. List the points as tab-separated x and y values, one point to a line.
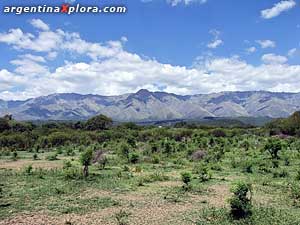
65	8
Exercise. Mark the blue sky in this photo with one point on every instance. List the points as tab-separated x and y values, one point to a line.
180	46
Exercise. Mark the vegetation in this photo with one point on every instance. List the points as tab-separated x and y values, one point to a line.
98	172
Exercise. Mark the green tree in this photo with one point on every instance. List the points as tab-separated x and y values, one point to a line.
86	159
100	122
273	146
4	125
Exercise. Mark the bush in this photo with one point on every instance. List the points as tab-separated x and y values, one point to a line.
134	157
295	194
240	202
122	217
298	175
280	173
100	122
67	164
85	159
28	170
35	156
14	156
156	159
198	155
52	157
124	150
247	166
203	171
273	146
100	158
72	173
186	177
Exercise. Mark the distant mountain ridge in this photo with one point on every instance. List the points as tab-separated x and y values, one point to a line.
154	106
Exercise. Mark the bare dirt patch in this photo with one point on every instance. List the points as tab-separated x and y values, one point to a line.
20	164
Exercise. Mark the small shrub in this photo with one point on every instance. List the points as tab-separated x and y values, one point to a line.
156	159
126	168
280	173
247	166
72	173
295	194
134	157
158	176
216	167
28	170
298	175
138	169
240	202
67	164
85	159
273	146
14	156
35	156
275	163
203	171
124	150
186	177
122	217
52	157
100	158
59	151
198	155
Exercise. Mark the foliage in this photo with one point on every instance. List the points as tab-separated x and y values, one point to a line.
273	146
186	177
100	122
134	157
240	202
86	159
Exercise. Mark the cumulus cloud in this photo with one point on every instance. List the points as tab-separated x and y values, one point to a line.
277	9
274	59
251	49
29	67
266	43
44	42
39	24
108	69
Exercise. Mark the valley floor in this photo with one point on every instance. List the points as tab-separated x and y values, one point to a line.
141	194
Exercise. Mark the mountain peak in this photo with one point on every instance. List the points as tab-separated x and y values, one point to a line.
143	94
143	91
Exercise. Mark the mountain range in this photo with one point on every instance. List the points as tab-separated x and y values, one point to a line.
154	106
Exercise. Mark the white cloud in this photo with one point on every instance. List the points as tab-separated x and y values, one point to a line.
292	52
34	58
28	67
251	49
274	59
9	80
266	43
277	9
39	24
185	2
216	42
44	42
112	70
